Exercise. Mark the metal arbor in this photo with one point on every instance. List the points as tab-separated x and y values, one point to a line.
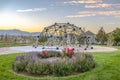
61	34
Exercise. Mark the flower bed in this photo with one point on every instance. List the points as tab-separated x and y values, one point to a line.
53	63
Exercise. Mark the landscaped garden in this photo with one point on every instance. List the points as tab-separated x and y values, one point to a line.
53	63
107	68
65	65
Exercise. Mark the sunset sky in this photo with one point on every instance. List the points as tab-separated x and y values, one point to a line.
34	15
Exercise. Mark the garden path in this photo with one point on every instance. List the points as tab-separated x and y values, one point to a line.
19	49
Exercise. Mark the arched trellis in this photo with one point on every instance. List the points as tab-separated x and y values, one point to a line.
61	34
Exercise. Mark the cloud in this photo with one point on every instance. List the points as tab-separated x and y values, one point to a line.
113	23
97	5
32	10
95	13
76	2
103	5
93	4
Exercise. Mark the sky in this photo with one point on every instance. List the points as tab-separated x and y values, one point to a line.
34	15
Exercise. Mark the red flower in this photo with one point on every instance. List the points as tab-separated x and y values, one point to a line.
43	52
70	51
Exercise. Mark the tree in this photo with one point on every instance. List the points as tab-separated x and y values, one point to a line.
1	37
5	38
43	39
79	38
116	36
101	36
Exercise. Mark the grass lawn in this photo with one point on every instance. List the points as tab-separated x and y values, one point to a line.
14	44
107	68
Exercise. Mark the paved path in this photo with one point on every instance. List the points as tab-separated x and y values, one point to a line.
101	49
8	51
19	49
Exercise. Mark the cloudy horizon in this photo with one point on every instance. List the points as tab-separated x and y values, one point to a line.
34	15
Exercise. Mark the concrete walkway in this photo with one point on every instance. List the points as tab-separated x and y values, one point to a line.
101	49
20	49
8	51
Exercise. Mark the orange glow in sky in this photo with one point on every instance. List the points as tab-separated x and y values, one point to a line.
33	16
13	21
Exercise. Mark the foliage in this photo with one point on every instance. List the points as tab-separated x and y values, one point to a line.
66	52
116	36
79	38
43	39
63	68
4	38
36	67
8	40
20	63
101	36
34	63
84	63
47	54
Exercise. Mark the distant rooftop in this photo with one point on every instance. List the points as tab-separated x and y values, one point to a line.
89	33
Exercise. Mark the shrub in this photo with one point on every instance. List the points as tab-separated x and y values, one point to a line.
66	52
63	68
47	54
54	64
37	67
84	63
19	63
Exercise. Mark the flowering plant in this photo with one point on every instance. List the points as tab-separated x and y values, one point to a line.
53	64
68	52
48	54
43	52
